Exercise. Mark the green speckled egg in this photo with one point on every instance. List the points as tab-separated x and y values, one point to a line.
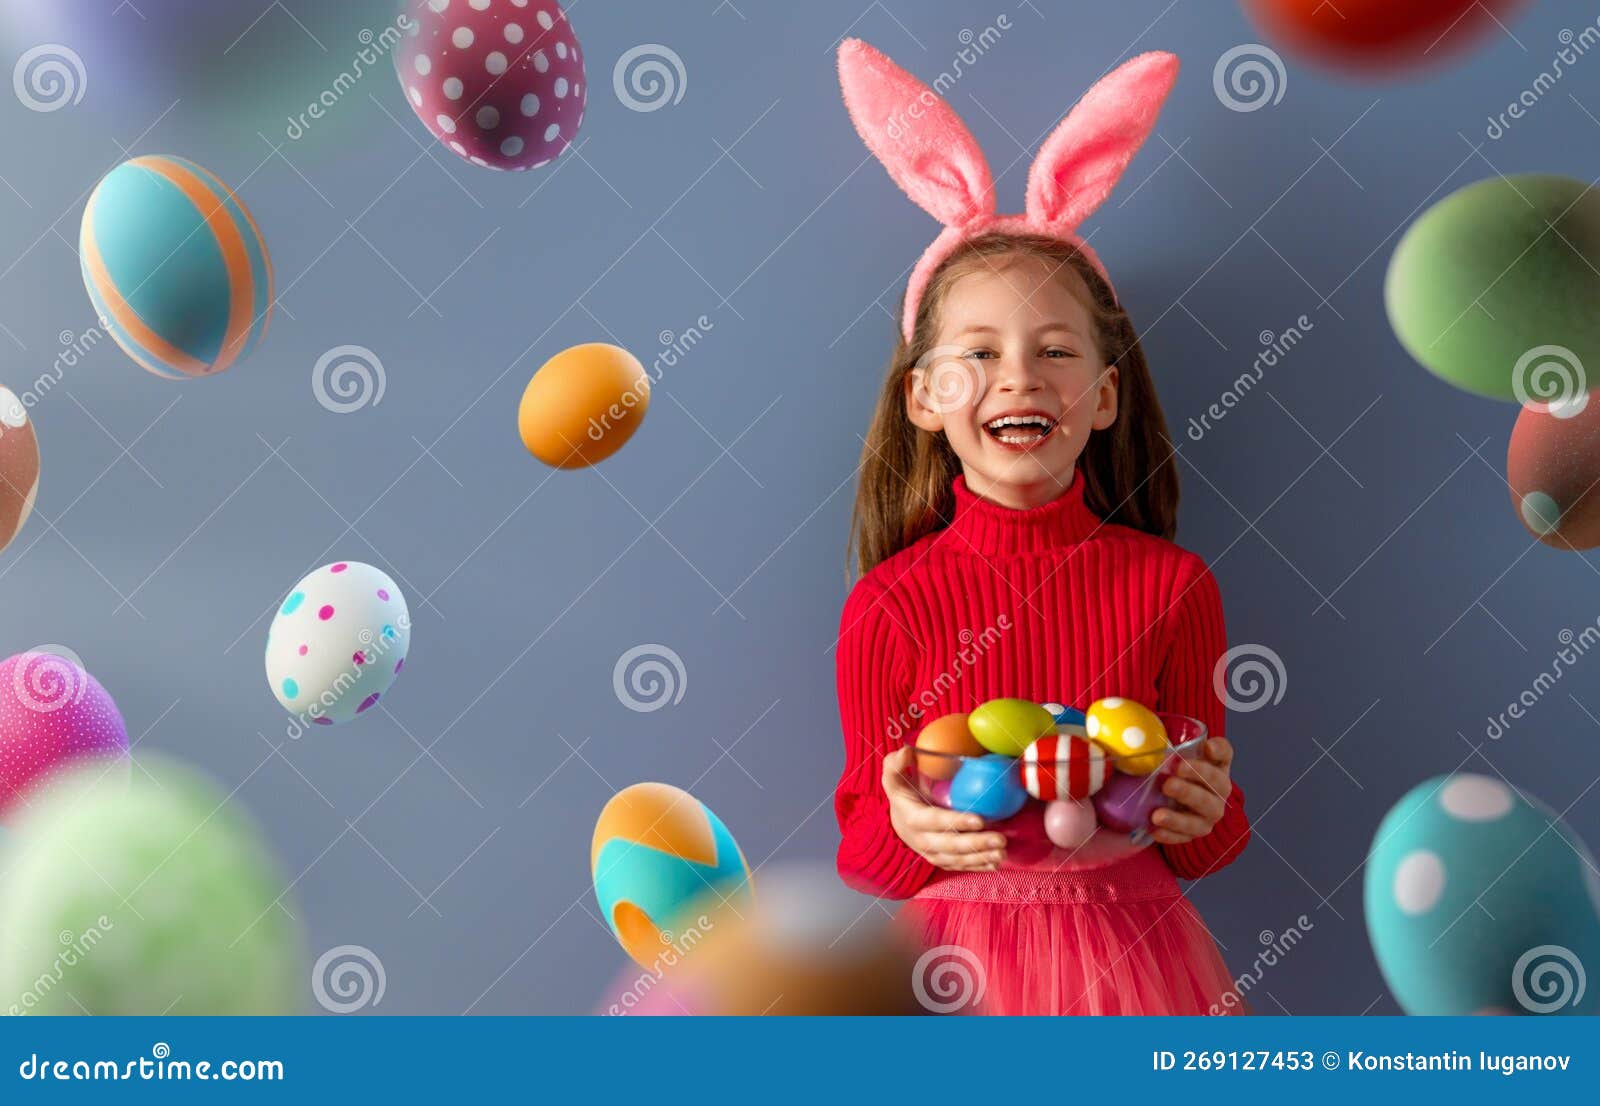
155	897
1481	279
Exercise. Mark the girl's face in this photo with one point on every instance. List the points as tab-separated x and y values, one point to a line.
1015	380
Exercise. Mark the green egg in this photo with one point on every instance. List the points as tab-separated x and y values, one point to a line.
154	897
1492	273
1008	726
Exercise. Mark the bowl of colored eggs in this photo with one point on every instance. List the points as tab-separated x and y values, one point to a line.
1070	789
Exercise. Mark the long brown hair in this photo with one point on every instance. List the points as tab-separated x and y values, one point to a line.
1130	476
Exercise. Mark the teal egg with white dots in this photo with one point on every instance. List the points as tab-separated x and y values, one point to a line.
154	896
337	644
1480	900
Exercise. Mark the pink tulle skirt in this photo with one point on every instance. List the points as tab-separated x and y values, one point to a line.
1121	939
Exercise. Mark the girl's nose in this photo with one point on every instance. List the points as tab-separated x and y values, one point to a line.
1015	376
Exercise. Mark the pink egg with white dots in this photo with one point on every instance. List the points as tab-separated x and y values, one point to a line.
53	716
337	643
499	82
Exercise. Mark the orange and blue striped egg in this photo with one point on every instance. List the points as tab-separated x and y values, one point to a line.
176	267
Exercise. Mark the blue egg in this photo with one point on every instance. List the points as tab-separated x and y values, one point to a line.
1479	899
989	786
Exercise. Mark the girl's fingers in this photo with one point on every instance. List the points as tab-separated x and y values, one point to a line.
966	862
924	817
964	844
1170	837
1201	800
1219	751
1207	775
1181	822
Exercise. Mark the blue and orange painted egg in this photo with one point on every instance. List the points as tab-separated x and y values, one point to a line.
175	267
656	850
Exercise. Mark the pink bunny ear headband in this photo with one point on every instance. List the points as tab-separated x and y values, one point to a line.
932	157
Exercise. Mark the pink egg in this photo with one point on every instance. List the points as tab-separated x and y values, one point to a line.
499	82
53	714
1069	823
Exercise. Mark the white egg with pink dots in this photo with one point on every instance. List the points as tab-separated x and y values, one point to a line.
499	82
337	643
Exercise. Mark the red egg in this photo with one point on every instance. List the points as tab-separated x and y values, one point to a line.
499	82
1063	766
1553	468
1370	34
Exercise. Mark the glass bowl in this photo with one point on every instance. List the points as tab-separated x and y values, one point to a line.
1122	826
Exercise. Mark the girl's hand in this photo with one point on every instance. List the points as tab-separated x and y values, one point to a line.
1200	790
947	839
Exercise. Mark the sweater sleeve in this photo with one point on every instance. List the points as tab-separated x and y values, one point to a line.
874	684
1195	640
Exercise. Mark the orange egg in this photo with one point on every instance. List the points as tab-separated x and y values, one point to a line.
948	734
583	405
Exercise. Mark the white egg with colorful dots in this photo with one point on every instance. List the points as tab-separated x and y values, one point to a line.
337	643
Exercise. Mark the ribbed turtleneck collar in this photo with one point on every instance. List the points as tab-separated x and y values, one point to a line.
990	528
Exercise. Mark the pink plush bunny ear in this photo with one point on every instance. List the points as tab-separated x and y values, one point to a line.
1081	161
920	140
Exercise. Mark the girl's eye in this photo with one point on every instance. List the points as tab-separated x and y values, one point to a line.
1059	353
980	354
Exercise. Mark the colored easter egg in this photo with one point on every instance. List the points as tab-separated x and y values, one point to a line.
19	465
1479	898
1070	823
155	897
337	643
1064	715
175	267
1130	732
53	715
499	82
1553	470
1126	802
948	735
1006	726
1379	34
583	405
656	849
989	786
1492	288
1060	766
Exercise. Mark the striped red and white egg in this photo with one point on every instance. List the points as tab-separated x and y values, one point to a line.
19	465
499	82
1063	766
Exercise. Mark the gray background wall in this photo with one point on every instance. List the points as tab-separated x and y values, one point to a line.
1353	528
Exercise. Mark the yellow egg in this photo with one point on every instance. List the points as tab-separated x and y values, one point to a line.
583	405
1130	732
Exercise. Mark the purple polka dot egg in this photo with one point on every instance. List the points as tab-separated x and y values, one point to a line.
337	643
499	82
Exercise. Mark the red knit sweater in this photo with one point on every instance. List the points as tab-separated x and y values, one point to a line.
1049	604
